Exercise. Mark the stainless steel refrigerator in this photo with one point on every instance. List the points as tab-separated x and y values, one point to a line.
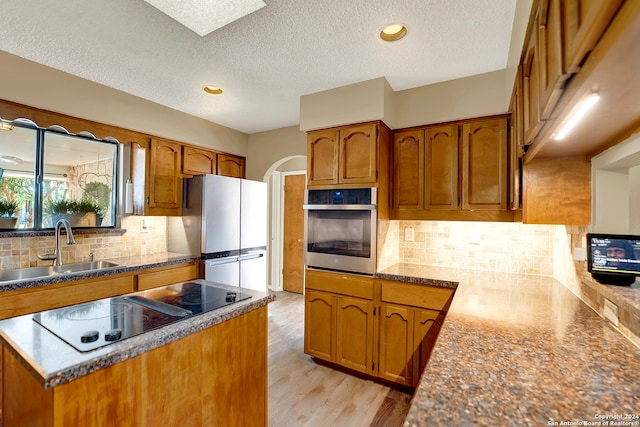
225	223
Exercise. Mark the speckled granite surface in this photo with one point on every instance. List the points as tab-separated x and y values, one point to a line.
126	264
520	350
53	362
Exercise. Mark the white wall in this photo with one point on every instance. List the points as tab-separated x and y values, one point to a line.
267	148
615	176
32	84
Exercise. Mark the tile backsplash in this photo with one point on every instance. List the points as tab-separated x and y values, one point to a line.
491	246
21	252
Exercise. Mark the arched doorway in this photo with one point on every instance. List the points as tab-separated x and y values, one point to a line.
287	181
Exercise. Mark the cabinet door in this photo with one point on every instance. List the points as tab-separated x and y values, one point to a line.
484	156
441	168
426	329
396	344
358	154
550	54
584	21
516	143
319	325
530	85
228	165
408	170
196	161
355	334
323	148
165	180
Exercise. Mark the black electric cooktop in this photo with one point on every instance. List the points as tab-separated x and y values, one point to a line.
99	323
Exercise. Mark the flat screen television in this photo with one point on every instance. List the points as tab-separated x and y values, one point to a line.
613	259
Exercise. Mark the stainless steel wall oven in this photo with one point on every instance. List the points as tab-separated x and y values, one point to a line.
340	229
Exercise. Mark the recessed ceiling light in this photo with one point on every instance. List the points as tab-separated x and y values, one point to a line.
393	32
213	90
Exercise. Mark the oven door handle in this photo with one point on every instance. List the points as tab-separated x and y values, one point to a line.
339	207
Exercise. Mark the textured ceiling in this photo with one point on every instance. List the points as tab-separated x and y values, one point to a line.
264	61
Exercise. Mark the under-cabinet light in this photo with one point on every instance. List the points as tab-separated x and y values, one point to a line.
578	113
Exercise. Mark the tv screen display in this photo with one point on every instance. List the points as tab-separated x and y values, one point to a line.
613	254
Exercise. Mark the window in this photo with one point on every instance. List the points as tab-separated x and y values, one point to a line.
48	174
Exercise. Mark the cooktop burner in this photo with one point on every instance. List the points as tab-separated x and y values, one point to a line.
99	323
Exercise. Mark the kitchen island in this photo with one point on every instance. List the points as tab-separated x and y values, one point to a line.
521	350
206	369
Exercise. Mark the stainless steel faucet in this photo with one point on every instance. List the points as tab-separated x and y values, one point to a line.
70	239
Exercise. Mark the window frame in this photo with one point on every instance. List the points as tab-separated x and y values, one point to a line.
39	176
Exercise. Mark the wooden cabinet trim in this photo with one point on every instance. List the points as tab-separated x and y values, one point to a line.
340	283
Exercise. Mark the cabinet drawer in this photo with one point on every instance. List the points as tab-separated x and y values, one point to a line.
422	296
340	283
167	276
30	301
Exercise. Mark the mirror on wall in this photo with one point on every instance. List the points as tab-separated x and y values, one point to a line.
48	175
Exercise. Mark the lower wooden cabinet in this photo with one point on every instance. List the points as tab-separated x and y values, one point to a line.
385	329
163	276
403	350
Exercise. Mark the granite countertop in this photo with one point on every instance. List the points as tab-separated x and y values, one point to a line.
126	264
52	362
521	350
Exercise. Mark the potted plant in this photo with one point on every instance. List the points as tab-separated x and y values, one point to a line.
79	213
7	210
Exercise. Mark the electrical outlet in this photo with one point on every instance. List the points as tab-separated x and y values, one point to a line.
580	254
474	237
409	234
610	312
145	226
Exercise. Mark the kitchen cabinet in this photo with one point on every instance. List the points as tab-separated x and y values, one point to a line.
339	323
230	165
320	325
30	300
198	161
354	337
452	171
384	329
157	178
584	22
204	378
410	320
354	154
442	151
408	170
549	43
484	165
162	276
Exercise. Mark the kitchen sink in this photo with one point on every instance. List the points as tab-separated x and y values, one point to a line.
48	271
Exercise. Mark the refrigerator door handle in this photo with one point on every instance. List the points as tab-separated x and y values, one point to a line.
218	261
252	256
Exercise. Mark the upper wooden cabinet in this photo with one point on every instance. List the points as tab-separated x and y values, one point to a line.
549	44
198	161
230	165
156	177
441	168
347	155
408	167
454	171
484	165
583	22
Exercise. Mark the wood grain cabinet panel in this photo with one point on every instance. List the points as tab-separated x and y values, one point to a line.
358	154
165	177
164	276
320	325
323	148
355	334
408	170
230	165
197	161
395	359
584	22
441	168
484	165
532	122
549	42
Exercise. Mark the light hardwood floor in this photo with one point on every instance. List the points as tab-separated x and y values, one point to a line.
304	393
